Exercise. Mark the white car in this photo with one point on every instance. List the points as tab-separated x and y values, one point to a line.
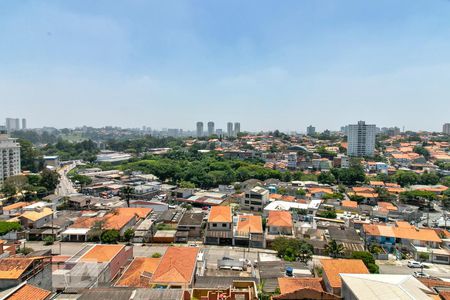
421	275
414	264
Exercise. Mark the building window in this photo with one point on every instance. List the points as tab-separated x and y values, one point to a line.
214	225
224	225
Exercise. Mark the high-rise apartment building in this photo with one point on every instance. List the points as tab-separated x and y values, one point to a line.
24	124
12	124
230	129
310	130
9	157
446	128
199	129
361	139
210	128
237	128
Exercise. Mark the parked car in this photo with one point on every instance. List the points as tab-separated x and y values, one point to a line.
421	275
414	264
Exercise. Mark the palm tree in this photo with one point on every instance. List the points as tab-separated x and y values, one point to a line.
334	249
262	295
127	191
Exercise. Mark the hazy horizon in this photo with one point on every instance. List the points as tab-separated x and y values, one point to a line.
268	65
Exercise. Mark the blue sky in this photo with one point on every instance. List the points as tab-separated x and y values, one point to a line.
268	64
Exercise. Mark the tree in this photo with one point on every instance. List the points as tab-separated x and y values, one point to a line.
186	184
128	235
49	179
49	240
422	151
110	236
368	260
127	191
326	178
31	159
6	227
292	249
446	181
14	184
82	179
429	179
300	192
334	249
406	178
328	213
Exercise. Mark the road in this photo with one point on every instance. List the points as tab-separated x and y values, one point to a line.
65	187
400	267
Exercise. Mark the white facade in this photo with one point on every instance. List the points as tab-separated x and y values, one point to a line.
255	199
199	129
9	157
446	128
361	139
12	124
292	160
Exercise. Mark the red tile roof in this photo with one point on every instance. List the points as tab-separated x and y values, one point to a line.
333	267
220	214
132	277
29	292
280	219
177	266
288	285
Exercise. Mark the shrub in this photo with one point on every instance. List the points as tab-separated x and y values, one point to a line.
110	236
49	240
156	255
25	250
6	227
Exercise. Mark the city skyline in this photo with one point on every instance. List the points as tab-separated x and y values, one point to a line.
136	63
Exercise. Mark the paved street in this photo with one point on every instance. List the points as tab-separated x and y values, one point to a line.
65	187
400	267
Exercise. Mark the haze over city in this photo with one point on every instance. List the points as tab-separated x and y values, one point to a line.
270	65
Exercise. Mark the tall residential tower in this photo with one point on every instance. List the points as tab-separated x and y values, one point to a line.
230	131
9	157
210	128
199	129
361	139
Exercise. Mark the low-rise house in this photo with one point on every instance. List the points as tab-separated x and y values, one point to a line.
120	219
37	218
14	209
93	265
219	228
302	289
33	270
27	291
402	234
347	237
177	268
139	272
249	232
144	231
239	289
279	223
192	224
332	268
255	199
